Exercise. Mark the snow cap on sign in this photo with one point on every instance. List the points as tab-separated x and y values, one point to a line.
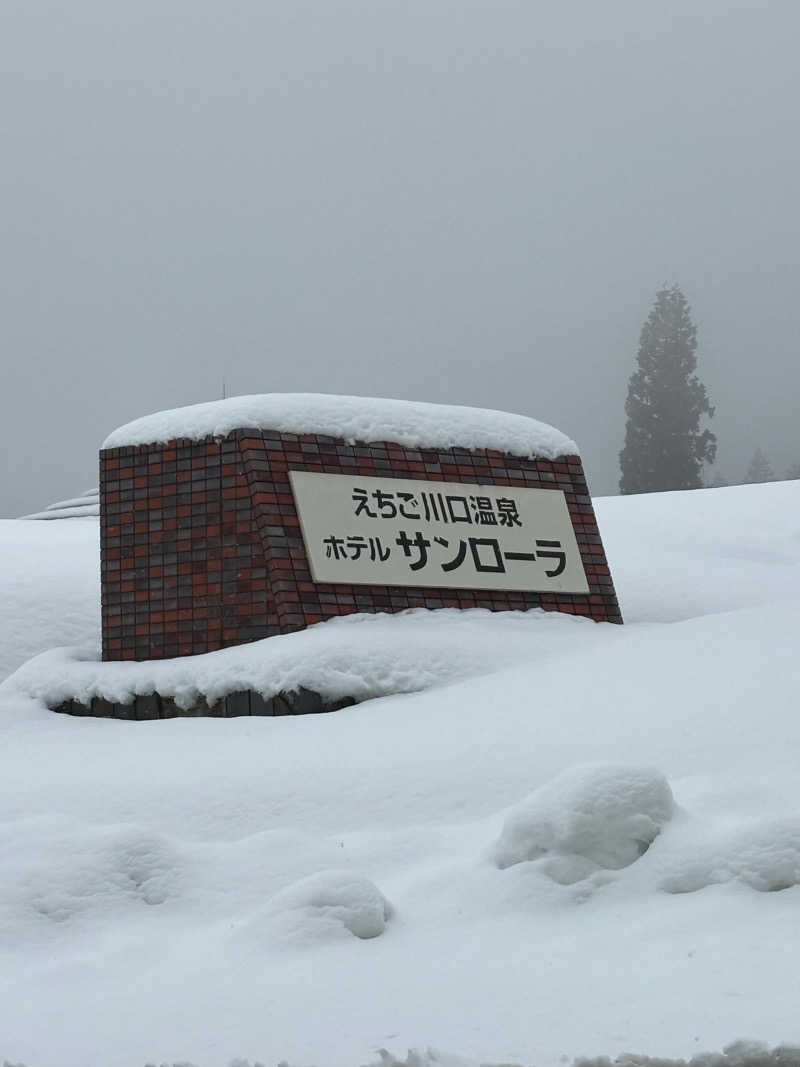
353	418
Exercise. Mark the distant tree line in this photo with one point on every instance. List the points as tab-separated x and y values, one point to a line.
758	470
665	447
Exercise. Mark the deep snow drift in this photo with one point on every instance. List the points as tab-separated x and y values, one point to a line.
572	839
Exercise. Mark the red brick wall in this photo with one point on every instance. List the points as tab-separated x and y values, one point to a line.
201	545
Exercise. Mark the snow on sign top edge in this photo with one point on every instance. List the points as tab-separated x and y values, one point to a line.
353	418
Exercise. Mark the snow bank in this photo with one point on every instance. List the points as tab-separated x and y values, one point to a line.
588	817
324	905
354	418
359	656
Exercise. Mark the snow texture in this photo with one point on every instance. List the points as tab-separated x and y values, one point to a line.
714	552
355	419
66	872
587	818
170	881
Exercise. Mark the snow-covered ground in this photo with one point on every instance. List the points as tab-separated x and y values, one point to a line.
49	587
571	839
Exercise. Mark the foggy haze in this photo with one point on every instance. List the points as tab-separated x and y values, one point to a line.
450	201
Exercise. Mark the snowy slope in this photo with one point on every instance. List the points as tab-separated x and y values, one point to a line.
584	839
679	555
77	507
49	587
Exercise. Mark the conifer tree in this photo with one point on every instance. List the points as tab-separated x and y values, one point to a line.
793	472
760	469
664	446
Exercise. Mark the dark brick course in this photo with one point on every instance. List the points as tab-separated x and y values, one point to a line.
201	545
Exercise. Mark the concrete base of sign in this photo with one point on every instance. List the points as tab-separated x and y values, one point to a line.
154	706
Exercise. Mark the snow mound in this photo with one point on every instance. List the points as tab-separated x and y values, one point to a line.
764	855
325	905
589	817
75	871
354	418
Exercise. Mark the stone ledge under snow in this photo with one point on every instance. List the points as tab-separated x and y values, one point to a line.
353	418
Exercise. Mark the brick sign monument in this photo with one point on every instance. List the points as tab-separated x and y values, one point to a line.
241	519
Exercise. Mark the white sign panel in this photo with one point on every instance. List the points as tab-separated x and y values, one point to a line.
393	531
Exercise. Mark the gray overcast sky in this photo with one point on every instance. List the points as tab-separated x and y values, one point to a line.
452	201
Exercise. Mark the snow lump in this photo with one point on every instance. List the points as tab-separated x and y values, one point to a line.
589	817
328	904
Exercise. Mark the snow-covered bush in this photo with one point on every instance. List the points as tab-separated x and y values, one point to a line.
589	817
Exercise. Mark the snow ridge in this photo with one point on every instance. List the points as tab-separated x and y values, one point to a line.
83	506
